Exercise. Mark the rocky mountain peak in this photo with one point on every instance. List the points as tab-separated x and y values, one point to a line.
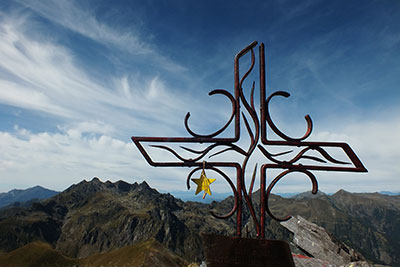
342	192
144	186
122	186
309	194
96	185
86	187
96	180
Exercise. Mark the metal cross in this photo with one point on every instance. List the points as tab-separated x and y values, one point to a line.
258	140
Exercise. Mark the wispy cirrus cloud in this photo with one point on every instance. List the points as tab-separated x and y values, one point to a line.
44	76
76	17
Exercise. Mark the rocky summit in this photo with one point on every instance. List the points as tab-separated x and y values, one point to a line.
100	217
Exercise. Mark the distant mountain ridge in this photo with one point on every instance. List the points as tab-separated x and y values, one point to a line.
189	196
308	194
22	195
389	193
95	216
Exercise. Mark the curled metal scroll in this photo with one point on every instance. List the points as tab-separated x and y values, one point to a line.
231	98
235	193
276	180
276	130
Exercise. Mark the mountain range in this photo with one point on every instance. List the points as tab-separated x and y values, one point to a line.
94	217
18	196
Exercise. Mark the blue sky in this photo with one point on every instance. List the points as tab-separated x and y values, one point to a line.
78	78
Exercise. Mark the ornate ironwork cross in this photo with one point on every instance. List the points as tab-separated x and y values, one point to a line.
261	124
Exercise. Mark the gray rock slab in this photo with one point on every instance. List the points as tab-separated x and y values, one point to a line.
316	242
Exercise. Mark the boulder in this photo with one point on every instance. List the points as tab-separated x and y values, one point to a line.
317	244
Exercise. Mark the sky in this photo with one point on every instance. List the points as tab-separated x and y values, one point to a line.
79	78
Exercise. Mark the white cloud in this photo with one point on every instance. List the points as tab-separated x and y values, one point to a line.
43	76
17	95
70	16
84	150
377	145
77	129
56	160
80	19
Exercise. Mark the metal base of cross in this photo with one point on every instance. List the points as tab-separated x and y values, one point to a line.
223	251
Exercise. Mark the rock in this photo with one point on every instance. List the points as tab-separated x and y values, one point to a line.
362	264
318	244
304	261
